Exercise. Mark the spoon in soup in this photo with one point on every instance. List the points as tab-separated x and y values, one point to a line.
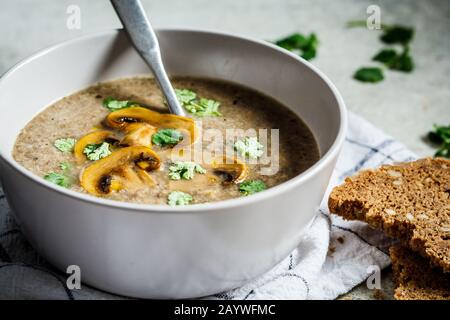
143	38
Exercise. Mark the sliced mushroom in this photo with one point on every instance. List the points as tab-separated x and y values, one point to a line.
125	168
138	134
122	118
95	137
231	170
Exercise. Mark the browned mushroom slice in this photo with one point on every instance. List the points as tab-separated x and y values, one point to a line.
95	137
231	170
120	170
138	134
122	118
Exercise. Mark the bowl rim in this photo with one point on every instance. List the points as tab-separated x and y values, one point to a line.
309	173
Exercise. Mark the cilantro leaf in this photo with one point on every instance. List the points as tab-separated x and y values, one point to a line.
65	166
249	147
385	56
58	179
441	136
97	151
252	186
167	137
397	35
393	60
65	144
113	105
184	170
305	46
178	198
200	107
403	62
443	151
369	75
185	96
204	107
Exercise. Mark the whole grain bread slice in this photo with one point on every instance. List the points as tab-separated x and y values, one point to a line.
408	201
415	278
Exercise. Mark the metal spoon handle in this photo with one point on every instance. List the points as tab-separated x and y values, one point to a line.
136	24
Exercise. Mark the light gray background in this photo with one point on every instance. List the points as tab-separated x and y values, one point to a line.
404	105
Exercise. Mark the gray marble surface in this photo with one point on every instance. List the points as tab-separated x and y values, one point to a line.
404	105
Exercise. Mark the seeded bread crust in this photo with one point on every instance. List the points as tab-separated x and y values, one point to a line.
408	201
415	278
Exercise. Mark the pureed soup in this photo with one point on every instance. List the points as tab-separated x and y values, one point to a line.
116	140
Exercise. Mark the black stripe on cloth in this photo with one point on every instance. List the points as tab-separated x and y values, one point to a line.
351	231
291	262
249	294
224	295
284	275
36	267
360	237
373	151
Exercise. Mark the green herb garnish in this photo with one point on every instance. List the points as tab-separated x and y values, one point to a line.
65	144
369	75
441	136
200	107
178	198
204	108
392	35
97	151
113	105
58	179
65	166
184	170
249	147
167	137
397	35
395	61
305	46
185	96
252	186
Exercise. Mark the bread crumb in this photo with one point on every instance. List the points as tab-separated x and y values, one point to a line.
331	250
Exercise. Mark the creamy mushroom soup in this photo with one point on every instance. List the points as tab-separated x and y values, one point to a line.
116	140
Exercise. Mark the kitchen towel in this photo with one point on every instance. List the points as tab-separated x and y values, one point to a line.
333	257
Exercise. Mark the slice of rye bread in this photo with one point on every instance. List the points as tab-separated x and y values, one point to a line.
415	278
408	201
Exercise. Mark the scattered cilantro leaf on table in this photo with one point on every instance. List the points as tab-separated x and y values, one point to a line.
395	61
372	75
391	35
305	46
397	35
441	136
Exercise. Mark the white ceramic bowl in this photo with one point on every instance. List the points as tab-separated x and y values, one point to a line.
152	251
